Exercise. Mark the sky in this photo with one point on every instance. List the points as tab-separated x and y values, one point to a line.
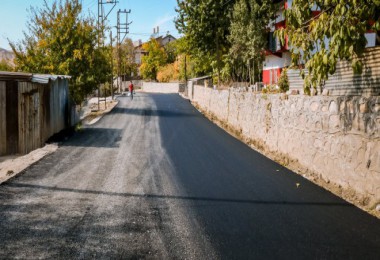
145	15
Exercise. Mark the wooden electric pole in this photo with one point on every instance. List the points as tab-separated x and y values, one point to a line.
122	31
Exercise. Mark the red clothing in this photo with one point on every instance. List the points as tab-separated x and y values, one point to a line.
130	87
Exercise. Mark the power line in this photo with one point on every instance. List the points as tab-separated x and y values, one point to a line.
142	34
101	18
122	28
88	4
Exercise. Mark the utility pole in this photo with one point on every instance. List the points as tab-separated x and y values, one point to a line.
101	18
111	64
122	31
185	70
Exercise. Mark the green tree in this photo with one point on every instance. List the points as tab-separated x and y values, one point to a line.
336	33
151	62
248	38
283	81
179	51
172	51
5	66
205	24
127	63
61	41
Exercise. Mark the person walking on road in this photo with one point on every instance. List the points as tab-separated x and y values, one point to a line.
131	90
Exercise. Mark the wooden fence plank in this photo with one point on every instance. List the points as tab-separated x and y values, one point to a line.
3	133
11	116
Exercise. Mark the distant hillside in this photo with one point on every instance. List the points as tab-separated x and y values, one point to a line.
6	55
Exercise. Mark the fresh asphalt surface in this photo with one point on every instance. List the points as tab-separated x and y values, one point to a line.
154	179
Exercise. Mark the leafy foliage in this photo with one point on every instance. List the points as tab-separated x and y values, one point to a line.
127	64
172	51
226	38
283	81
169	72
197	63
153	61
335	33
249	22
5	66
206	25
61	41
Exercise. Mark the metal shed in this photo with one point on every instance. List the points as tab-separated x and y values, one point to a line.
33	107
344	81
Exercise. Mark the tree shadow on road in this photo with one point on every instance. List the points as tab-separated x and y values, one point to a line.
95	137
174	197
274	212
67	227
152	112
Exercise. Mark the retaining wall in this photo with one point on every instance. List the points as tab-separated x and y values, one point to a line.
335	139
161	87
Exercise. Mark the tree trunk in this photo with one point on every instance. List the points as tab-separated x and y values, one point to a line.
249	72
185	71
254	72
218	59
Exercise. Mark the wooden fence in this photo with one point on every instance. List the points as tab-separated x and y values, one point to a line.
32	110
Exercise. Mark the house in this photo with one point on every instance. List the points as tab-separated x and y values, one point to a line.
140	52
164	40
277	56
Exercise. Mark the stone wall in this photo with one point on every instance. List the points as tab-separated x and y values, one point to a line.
334	141
153	87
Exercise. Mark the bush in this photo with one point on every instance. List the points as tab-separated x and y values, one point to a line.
270	89
5	66
169	72
283	81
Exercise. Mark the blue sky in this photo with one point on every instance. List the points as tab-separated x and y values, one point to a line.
145	14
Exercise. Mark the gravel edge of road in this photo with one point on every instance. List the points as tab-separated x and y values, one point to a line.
10	168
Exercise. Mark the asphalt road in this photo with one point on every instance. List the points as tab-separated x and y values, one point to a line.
154	179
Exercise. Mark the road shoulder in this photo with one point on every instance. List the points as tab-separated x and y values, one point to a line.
10	166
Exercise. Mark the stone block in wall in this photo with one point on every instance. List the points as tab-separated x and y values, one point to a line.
376	105
363	108
314	106
293	92
333	107
334	123
373	163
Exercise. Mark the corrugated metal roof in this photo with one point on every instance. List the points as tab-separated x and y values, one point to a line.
20	76
295	79
344	81
29	77
45	78
200	78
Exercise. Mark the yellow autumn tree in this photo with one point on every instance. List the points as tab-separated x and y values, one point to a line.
61	41
151	62
169	72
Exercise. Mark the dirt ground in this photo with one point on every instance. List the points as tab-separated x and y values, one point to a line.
12	165
95	112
